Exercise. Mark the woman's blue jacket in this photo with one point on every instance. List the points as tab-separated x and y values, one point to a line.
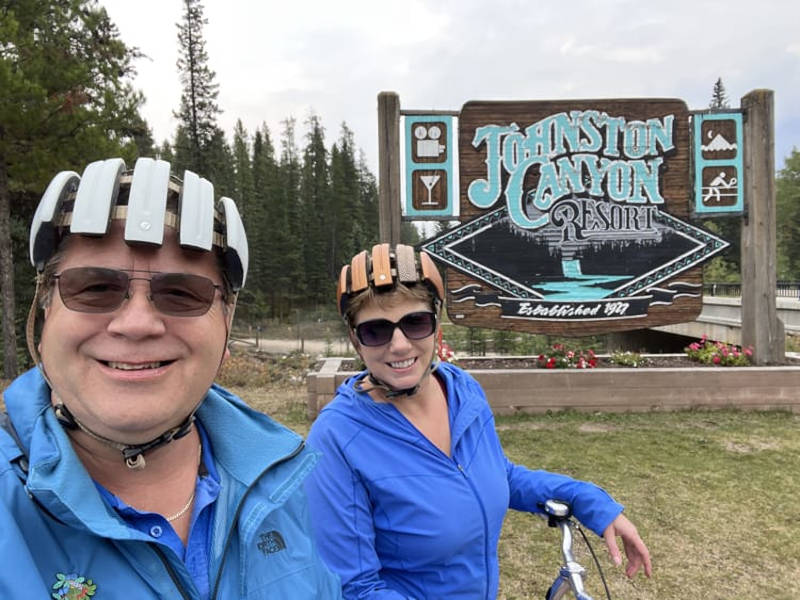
396	517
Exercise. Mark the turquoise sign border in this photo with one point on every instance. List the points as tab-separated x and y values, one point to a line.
700	163
449	211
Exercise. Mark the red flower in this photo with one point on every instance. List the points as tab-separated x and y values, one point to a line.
551	363
716	359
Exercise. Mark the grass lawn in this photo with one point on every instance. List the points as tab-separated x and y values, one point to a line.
715	495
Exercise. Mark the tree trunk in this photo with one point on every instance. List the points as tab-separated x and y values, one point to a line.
7	279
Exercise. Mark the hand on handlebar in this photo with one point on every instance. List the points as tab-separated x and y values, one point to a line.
635	550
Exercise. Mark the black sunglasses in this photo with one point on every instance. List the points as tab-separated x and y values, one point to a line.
100	290
377	332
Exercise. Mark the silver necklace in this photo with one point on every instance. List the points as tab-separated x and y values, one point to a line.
182	511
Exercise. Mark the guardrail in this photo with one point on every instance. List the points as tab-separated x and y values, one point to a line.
783	289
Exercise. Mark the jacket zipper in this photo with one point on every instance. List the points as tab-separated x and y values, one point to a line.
170	571
281	460
485	524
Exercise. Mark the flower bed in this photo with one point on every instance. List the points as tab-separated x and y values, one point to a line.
668	382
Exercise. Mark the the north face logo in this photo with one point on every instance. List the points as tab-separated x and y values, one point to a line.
271	542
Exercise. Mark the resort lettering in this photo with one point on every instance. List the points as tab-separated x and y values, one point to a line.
580	153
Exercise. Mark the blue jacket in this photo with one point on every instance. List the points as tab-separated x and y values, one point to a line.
56	532
397	518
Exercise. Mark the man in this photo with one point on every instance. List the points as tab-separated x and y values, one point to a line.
124	471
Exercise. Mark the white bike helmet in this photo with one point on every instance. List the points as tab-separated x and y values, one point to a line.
87	204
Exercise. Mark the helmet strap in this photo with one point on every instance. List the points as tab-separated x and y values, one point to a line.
133	454
391	392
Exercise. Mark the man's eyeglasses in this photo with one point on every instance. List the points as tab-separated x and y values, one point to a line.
377	332
100	290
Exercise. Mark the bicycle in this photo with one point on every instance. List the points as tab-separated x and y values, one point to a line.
571	574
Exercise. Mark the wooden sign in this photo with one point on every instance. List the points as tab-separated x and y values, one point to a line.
719	185
572	218
430	185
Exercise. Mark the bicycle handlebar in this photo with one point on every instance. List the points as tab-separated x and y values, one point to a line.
559	514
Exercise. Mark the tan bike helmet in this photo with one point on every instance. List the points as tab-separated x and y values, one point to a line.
382	269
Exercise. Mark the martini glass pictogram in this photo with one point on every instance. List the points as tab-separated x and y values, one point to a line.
429	181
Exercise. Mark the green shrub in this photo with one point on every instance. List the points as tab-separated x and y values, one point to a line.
627	359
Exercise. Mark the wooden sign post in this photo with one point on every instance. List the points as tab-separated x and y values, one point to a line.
761	327
389	167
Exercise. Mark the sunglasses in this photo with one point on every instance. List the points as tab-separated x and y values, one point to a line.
377	332
100	290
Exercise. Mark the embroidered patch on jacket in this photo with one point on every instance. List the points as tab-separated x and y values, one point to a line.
72	587
271	542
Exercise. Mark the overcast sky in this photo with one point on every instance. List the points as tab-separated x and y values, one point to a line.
274	60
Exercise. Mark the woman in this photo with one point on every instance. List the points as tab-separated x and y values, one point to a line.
413	486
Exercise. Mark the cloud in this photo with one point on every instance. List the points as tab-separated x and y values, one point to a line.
275	60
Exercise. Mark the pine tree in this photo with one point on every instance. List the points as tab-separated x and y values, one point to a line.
719	98
164	152
287	242
220	170
787	201
368	186
65	100
315	198
197	129
266	188
243	169
350	231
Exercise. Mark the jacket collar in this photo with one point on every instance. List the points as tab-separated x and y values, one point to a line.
465	400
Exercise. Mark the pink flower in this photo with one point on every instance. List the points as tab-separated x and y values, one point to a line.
748	351
445	351
716	359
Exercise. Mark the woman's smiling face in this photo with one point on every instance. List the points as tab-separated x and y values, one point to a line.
401	363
